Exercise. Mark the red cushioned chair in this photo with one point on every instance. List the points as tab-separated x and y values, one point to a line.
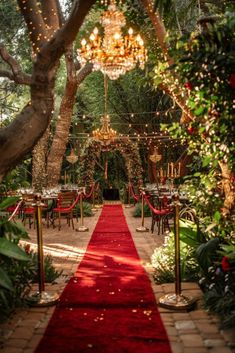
161	214
66	203
28	210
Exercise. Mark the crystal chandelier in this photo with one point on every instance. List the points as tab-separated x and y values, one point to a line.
155	157
115	54
105	135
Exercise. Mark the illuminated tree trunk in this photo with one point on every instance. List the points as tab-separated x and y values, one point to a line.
228	188
60	139
39	156
176	94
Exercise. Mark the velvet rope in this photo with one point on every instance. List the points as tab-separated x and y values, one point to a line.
136	197
88	195
15	210
76	201
155	210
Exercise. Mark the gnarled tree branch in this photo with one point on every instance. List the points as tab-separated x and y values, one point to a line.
16	74
17	139
32	14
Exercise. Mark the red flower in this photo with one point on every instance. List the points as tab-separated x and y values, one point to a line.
232	80
191	130
188	85
225	264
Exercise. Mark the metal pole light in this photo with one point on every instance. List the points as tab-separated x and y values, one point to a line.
176	300
41	298
142	228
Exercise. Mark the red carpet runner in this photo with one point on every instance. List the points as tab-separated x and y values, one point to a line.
108	306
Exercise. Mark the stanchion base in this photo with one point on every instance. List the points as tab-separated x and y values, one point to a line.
176	301
98	206
142	229
43	299
82	229
129	206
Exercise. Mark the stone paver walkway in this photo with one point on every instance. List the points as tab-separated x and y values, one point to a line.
189	332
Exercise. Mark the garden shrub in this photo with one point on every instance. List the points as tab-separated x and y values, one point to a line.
163	261
87	211
18	266
138	210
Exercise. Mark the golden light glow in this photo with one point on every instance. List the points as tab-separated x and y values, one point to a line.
114	55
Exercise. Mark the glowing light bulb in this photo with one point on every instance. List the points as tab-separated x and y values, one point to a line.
116	36
130	31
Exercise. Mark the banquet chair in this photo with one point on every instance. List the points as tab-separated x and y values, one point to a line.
28	210
66	203
161	214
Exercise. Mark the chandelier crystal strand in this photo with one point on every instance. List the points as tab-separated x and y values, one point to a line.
114	55
105	134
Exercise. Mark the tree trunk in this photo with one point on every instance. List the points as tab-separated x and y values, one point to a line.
179	98
18	139
60	139
39	173
228	188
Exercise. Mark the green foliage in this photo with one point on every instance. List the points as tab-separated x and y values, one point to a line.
51	274
18	177
205	63
138	210
14	264
92	150
218	284
205	67
87	211
18	267
163	261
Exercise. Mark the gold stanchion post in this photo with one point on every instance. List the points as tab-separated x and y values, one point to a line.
129	197
142	228
82	228
176	300
41	298
94	209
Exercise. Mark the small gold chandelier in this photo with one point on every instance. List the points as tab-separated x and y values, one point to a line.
155	157
105	134
114	55
72	158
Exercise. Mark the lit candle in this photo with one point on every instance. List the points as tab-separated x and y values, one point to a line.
168	169
179	168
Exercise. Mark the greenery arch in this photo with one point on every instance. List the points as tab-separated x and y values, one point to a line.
92	150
